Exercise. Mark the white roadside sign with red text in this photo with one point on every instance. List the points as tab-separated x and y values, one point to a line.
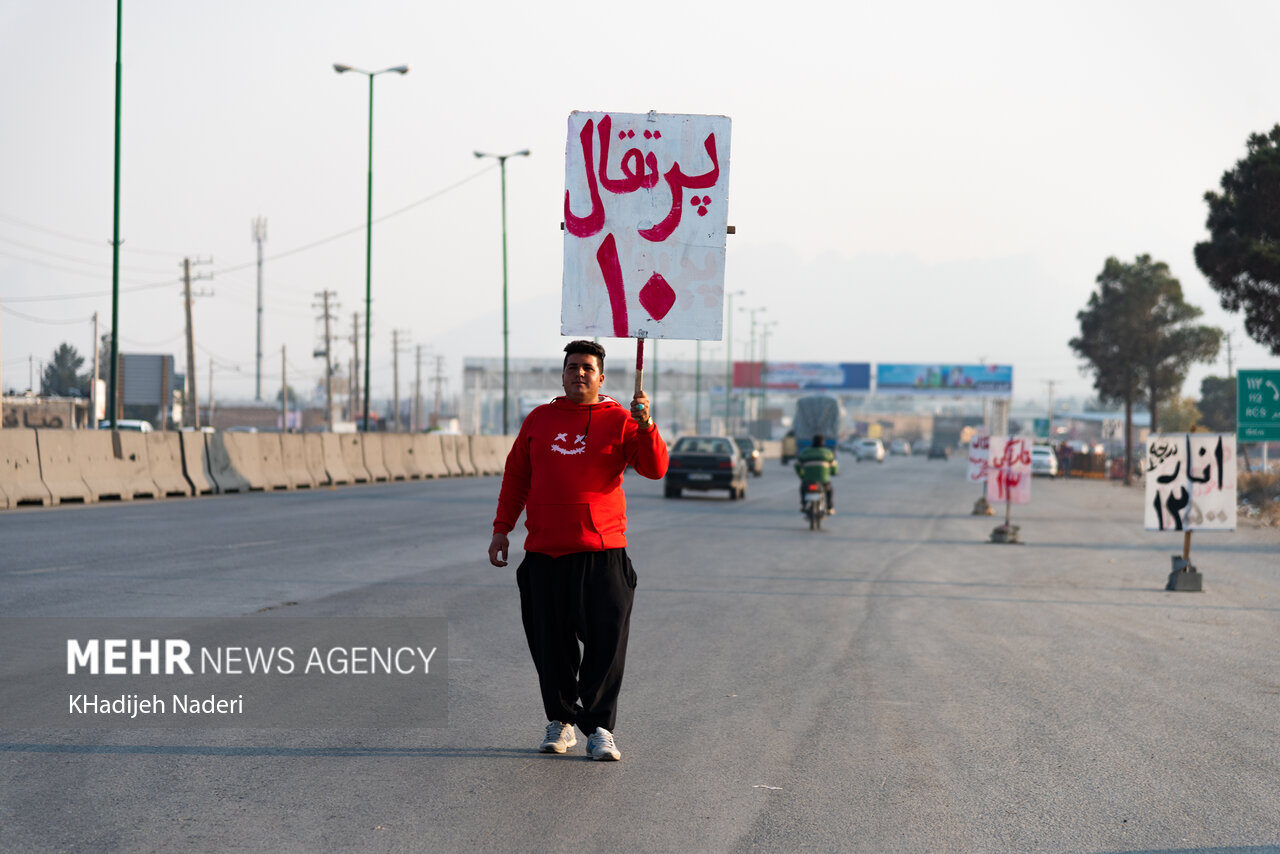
979	451
645	217
1009	471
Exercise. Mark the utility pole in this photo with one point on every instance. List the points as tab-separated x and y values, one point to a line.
284	394
190	402
415	422
1051	384
697	391
1230	363
259	235
328	358
355	343
435	412
395	375
209	408
93	389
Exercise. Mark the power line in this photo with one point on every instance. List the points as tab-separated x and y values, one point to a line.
358	228
88	240
150	271
16	313
226	270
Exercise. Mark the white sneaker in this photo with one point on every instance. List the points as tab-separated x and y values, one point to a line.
559	738
600	745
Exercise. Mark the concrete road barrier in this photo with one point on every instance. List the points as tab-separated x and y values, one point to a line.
414	463
271	456
334	464
465	461
449	453
20	481
125	477
372	450
195	462
486	455
164	463
353	456
430	454
313	451
393	445
231	466
60	466
449	447
293	459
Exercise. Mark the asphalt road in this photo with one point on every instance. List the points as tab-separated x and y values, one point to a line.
890	683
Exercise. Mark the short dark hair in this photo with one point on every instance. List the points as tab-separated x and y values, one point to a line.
818	441
583	347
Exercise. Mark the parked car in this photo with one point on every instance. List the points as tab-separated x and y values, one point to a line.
900	448
939	451
751	453
921	446
128	424
1044	461
705	462
870	449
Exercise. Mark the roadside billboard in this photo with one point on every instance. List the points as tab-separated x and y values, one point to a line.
803	376
946	379
645	216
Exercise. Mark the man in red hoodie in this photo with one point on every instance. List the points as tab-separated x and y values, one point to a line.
576	581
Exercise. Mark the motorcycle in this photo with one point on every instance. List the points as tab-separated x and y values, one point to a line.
815	505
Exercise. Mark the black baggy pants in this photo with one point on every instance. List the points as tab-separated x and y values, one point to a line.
585	597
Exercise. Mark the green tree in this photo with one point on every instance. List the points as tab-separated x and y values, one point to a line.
1180	415
62	376
1241	258
1136	338
1218	404
293	396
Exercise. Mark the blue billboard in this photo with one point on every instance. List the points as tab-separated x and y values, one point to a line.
803	376
946	379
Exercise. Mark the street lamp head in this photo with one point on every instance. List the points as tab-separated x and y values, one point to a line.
401	69
524	153
339	67
480	154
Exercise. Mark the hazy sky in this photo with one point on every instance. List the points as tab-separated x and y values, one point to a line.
911	182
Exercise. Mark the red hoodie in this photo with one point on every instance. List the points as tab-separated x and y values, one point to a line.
565	472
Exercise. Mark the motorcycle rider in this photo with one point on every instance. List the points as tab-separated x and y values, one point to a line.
817	464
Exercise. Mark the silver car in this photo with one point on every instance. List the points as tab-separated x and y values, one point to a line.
870	449
1044	461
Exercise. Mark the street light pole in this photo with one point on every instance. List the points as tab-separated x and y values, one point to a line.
728	358
368	246
755	374
502	169
764	363
112	414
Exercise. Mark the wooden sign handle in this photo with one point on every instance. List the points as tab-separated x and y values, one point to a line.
639	364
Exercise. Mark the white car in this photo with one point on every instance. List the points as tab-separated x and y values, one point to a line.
1044	460
128	424
869	449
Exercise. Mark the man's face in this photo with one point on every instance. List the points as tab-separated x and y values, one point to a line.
582	378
